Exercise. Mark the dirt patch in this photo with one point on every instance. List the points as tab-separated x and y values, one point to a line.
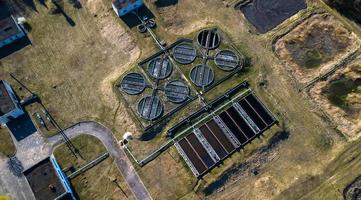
267	14
178	19
315	46
252	167
340	97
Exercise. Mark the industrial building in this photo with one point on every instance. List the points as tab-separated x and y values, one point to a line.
10	30
48	181
10	107
123	7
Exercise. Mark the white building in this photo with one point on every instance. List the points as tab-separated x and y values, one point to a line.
123	7
10	31
10	107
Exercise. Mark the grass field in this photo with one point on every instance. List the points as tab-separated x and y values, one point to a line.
95	183
7	147
72	67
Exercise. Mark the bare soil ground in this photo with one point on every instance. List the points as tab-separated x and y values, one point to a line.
314	46
340	97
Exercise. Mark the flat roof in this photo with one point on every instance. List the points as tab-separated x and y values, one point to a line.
8	27
44	181
6	103
123	3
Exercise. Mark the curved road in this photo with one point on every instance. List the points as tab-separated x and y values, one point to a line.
35	148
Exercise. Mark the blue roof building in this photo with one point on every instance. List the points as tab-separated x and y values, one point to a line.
10	107
10	31
123	7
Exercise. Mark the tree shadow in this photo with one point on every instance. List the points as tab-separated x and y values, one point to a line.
131	20
30	4
66	16
15	46
21	7
43	3
165	3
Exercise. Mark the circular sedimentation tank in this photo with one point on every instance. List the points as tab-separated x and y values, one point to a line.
226	60
150	108
202	75
133	83
160	68
176	91
209	39
184	53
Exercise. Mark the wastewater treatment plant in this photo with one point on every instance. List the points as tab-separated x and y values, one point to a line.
167	99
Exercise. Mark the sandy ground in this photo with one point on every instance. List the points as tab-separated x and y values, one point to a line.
348	123
340	43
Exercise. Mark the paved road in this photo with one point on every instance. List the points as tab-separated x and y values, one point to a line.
116	152
36	148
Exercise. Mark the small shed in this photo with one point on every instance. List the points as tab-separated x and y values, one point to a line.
10	30
10	107
123	7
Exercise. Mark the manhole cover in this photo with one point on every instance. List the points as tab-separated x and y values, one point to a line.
133	83
202	75
209	39
184	53
160	68
177	91
150	108
226	60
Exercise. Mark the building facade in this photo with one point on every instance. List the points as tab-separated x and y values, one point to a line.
10	31
10	107
123	7
63	179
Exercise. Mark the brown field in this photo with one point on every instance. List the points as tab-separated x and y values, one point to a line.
315	46
7	147
340	97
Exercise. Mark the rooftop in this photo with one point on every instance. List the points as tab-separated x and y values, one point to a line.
8	27
6	103
44	181
123	3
